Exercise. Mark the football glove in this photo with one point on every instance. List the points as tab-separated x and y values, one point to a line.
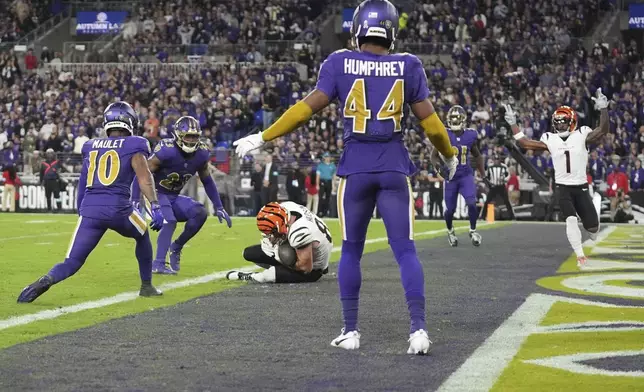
601	102
223	215
267	246
157	217
248	144
510	116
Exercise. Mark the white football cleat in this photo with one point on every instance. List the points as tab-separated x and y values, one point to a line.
476	238
419	343
452	238
347	341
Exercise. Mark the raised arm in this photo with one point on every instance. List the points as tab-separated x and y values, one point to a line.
601	104
519	136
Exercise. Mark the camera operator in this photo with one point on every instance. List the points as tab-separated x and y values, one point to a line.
618	194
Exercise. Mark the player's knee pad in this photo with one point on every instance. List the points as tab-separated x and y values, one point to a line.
352	249
253	253
402	247
198	214
591	225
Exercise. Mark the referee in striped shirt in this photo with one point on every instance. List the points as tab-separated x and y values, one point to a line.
498	175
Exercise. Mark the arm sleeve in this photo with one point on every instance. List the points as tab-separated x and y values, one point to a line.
300	235
211	190
417	89
82	184
326	78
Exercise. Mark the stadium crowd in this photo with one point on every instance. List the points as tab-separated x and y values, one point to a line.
19	17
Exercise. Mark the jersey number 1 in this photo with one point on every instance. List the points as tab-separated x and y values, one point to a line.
356	108
567	153
107	166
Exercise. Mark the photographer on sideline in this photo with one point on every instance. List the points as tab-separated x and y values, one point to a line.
617	193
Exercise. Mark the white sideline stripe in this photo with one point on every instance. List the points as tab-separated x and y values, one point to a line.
129	296
25	237
119	298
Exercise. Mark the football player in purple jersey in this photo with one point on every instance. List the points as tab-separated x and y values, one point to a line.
373	87
463	182
173	163
109	167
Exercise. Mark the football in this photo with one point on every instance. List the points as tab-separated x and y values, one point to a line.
287	255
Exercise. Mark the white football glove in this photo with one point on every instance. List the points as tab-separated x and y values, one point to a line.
268	247
248	144
601	102
510	115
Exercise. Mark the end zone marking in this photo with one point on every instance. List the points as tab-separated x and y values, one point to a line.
131	295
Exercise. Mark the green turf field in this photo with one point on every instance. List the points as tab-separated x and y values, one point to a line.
31	244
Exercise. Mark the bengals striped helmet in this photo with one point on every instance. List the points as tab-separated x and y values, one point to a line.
564	120
272	219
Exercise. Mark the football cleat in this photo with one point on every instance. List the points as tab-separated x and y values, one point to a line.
175	257
452	238
347	341
237	275
475	237
582	261
147	290
160	267
35	290
419	343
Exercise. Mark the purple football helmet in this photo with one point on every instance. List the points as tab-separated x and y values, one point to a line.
187	134
120	115
375	18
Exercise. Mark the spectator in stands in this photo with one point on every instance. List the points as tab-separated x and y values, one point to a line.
10	192
325	172
312	185
269	180
295	184
270	103
31	61
637	177
256	181
45	55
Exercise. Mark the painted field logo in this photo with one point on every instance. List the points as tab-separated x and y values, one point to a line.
552	342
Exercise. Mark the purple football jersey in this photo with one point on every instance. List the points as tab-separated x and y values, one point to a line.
464	143
177	167
373	91
107	162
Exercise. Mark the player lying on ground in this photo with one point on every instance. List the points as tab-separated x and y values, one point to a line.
287	226
567	146
173	163
109	166
464	183
373	87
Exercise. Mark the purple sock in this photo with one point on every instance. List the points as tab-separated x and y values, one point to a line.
143	252
413	281
349	280
64	270
193	225
473	214
164	240
449	216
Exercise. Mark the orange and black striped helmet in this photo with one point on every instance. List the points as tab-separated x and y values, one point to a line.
273	219
564	120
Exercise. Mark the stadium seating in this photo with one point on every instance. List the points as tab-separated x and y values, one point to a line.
20	17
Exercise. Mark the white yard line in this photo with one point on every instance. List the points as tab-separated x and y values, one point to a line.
129	296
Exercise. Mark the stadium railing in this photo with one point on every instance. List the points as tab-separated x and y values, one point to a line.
168	67
79	51
38	31
111	5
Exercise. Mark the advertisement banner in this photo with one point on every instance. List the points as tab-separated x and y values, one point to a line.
95	22
31	198
636	16
347	19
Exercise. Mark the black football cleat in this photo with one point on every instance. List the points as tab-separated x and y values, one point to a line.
147	290
35	290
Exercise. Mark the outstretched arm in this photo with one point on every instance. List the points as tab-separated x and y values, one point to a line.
519	136
433	127
601	104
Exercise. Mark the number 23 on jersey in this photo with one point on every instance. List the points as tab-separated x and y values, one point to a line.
105	168
355	106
